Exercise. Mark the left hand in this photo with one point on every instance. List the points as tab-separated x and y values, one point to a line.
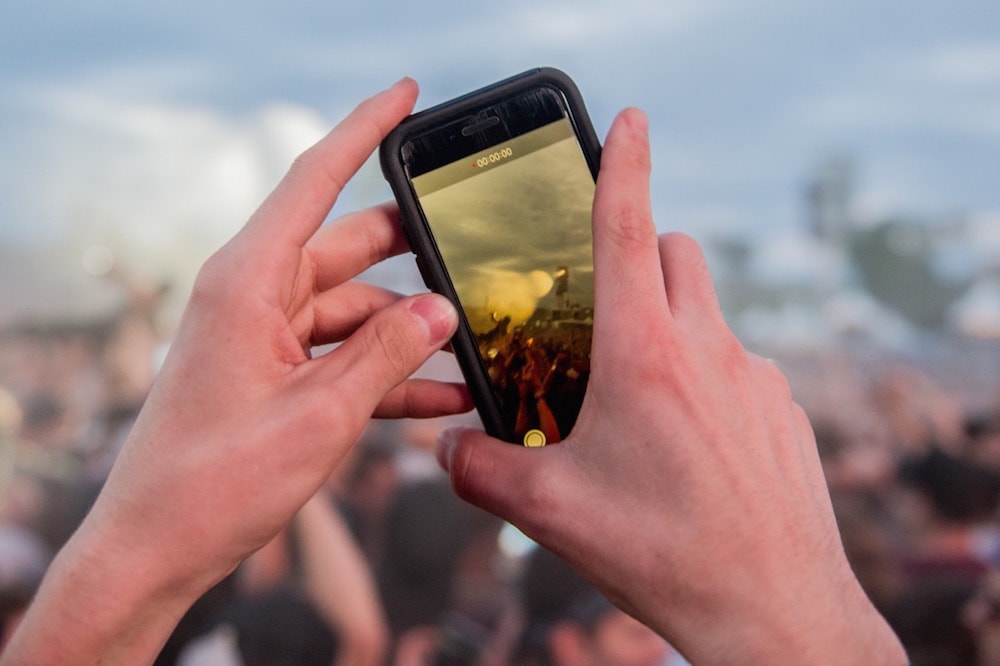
689	491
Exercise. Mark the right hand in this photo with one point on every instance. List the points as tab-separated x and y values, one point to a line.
244	424
690	490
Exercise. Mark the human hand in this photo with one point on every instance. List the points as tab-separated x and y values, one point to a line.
690	490
242	425
240	403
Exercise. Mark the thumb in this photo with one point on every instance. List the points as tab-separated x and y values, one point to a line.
515	483
387	349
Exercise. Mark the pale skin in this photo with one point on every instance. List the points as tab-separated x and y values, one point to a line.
242	426
690	491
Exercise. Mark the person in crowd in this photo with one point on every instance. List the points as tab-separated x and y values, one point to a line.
982	432
429	573
960	498
24	557
981	616
273	627
307	597
689	492
569	623
365	486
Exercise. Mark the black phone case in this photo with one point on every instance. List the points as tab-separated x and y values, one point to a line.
429	261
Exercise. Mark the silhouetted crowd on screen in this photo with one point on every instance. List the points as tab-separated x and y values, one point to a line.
445	583
541	374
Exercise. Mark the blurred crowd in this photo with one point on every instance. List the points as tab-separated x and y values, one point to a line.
386	566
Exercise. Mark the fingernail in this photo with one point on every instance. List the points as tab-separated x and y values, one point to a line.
445	445
438	316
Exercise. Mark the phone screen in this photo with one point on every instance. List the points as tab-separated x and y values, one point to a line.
512	225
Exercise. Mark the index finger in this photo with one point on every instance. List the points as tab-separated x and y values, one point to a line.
343	249
304	197
628	276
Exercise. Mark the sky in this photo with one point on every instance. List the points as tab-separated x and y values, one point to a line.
154	129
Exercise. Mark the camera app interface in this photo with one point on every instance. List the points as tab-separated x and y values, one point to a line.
512	224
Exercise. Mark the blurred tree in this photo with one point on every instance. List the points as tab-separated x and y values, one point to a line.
894	263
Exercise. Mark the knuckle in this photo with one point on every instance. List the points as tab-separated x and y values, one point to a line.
526	498
631	226
393	349
540	499
468	469
778	382
682	251
373	243
772	379
211	283
309	161
731	351
462	470
538	492
300	165
339	418
679	245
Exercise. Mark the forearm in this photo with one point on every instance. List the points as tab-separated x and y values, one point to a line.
99	604
807	627
340	581
858	637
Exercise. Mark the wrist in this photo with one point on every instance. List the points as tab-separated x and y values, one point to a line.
851	631
103	600
840	627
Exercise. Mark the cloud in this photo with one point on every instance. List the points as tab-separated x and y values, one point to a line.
791	259
162	184
977	313
984	238
578	23
739	96
967	65
952	89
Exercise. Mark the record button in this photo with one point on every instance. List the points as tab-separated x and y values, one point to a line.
534	439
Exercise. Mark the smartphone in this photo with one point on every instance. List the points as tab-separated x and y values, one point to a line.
495	190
